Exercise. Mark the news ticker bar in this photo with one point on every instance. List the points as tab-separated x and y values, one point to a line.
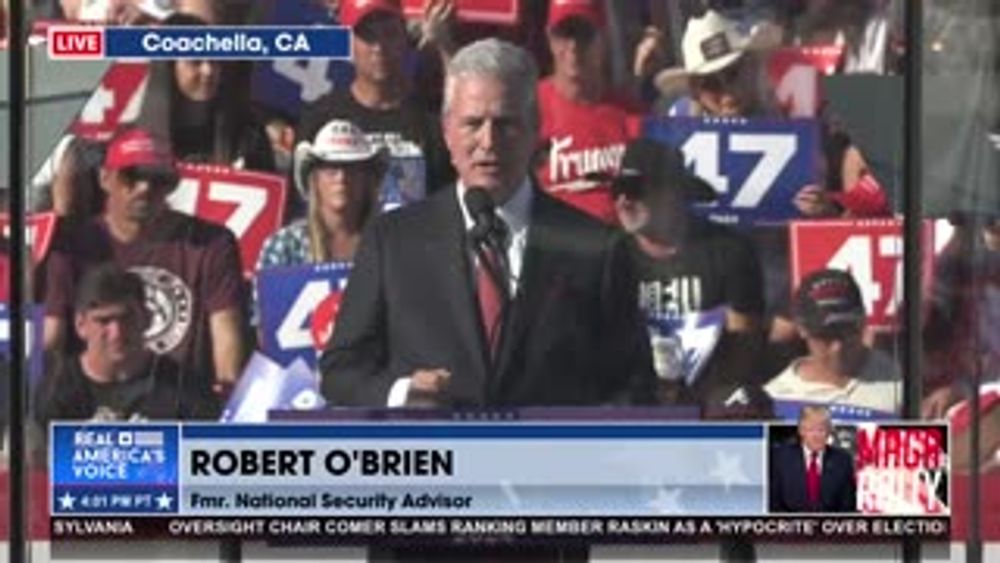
377	530
199	42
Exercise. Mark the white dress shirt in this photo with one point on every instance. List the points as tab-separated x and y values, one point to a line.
819	458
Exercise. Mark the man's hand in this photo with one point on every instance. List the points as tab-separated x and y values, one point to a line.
437	23
648	53
427	388
936	405
814	201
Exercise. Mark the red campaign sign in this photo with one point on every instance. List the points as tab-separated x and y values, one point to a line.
499	12
250	204
795	74
871	250
115	100
40	228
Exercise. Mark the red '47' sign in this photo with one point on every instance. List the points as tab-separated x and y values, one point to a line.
39	229
795	74
499	12
115	100
250	204
871	250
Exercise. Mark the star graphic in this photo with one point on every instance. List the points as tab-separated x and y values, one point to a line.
727	469
164	501
667	501
67	501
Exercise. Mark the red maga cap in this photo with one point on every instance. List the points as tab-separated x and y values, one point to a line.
589	10
138	147
353	11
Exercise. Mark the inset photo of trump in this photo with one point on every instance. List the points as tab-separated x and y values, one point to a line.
811	465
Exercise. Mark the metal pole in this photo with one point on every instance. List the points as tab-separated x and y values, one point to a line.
18	376
912	221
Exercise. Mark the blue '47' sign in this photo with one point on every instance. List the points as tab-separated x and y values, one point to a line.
298	306
755	165
285	85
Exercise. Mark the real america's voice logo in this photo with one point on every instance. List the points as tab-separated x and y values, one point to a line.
200	42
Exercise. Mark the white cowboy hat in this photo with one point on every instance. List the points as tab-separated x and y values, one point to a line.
712	43
338	141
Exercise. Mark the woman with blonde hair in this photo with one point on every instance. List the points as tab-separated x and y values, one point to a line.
339	175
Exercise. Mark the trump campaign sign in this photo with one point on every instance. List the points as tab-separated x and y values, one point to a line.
39	227
796	75
285	85
298	307
755	165
250	204
499	12
871	250
114	101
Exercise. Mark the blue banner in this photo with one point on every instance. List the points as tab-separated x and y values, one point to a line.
285	85
297	309
227	42
114	469
757	166
418	469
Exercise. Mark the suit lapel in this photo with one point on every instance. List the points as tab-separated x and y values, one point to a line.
535	273
446	249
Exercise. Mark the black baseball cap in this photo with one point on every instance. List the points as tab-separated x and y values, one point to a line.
828	304
649	166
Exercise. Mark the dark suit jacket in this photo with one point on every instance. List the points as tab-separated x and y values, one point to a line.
573	334
788	481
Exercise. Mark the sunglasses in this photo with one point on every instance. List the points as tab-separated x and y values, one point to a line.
575	28
157	180
380	27
718	81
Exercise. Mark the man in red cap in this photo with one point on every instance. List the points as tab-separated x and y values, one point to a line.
584	126
381	99
191	268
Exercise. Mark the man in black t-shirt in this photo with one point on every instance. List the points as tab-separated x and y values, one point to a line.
116	377
688	265
380	100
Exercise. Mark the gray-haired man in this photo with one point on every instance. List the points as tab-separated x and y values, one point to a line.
511	298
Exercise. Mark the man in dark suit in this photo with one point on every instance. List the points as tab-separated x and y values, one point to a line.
451	303
811	475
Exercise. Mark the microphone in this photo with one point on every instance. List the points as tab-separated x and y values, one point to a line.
481	208
488	232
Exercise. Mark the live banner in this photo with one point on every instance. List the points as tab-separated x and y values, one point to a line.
250	204
364	482
756	166
871	250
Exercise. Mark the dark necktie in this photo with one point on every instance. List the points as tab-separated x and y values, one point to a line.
812	479
491	284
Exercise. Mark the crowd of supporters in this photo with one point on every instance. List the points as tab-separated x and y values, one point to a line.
609	68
